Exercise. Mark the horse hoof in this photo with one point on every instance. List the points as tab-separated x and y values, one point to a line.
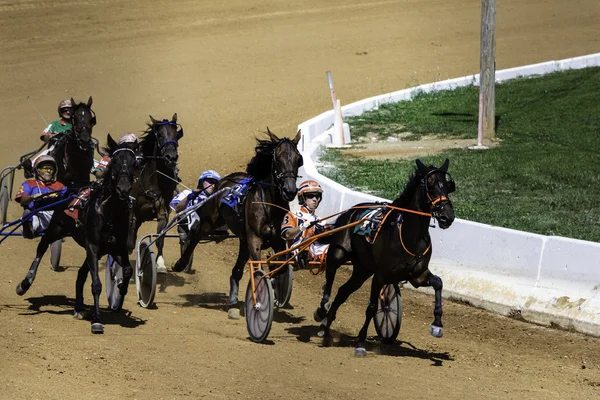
160	265
79	315
233	313
97	328
20	290
436	331
360	352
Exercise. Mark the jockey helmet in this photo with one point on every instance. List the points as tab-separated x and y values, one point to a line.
64	107
208	174
128	137
45	160
308	186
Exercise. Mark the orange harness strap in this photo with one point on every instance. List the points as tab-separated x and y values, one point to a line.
404	247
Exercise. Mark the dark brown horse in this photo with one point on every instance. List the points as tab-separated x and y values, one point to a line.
102	229
272	173
74	150
400	252
157	178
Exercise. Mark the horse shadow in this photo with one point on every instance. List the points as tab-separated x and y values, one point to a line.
122	318
165	280
211	301
397	349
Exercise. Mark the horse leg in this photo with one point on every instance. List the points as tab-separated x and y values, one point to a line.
123	260
26	283
234	279
162	222
358	277
429	279
183	234
92	260
134	225
376	285
188	245
335	258
79	285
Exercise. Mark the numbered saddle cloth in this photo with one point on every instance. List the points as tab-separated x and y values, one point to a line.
235	198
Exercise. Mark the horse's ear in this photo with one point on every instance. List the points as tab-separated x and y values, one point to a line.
153	120
72	102
273	137
174	119
111	142
444	167
422	167
297	138
89	103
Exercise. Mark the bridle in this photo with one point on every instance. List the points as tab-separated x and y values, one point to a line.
162	147
436	203
280	175
77	132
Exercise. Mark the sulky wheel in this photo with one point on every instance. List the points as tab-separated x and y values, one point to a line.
259	316
55	252
145	276
283	285
389	314
114	277
4	199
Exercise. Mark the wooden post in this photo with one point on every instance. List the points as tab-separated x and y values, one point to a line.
487	77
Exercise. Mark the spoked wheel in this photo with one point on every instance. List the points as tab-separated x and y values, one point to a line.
389	314
259	316
55	251
145	276
283	285
114	277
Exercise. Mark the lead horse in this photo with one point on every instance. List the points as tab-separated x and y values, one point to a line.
101	228
157	179
272	173
400	252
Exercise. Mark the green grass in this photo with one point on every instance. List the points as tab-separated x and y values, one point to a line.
544	177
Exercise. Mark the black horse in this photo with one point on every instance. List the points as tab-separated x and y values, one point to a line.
74	150
273	171
157	179
102	228
400	252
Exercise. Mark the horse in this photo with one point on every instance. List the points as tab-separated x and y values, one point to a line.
400	252
273	172
74	150
157	179
102	228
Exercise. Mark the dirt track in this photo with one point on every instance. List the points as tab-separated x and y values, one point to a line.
229	71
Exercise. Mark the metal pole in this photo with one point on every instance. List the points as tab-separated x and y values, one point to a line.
487	75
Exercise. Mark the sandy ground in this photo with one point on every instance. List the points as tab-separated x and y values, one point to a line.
229	69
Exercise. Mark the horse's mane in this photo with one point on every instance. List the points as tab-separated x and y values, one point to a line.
414	181
260	165
148	140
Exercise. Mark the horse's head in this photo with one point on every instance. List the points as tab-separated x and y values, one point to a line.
83	120
286	161
121	170
167	134
437	184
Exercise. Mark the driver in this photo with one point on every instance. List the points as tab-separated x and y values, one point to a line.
301	225
62	124
45	183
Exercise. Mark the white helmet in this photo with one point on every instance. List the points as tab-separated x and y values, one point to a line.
45	159
63	107
128	137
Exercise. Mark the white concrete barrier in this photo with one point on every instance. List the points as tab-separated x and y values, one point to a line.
544	279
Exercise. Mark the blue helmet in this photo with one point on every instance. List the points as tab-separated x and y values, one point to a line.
208	174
